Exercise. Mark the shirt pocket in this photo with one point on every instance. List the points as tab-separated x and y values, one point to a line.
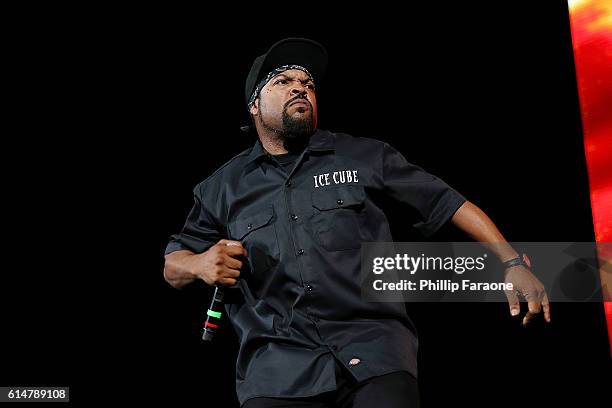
338	217
258	235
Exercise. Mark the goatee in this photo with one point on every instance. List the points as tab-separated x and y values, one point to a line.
296	128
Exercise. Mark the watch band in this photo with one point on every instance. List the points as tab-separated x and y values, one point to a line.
519	260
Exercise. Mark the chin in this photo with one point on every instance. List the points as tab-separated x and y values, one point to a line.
305	114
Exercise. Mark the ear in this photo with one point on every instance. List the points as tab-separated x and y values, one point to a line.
255	107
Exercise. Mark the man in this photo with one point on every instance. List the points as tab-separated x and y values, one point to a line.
280	226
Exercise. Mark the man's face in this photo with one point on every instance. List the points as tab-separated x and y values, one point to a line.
287	104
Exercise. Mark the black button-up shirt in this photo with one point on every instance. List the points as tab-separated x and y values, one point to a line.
298	304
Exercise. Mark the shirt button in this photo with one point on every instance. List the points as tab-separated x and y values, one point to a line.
294	217
340	202
288	184
300	251
249	226
308	287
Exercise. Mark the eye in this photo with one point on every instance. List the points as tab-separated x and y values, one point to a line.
281	81
311	87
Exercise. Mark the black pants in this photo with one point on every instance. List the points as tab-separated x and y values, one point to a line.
394	390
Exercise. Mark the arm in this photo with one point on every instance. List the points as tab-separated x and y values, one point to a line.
199	252
476	224
437	202
176	269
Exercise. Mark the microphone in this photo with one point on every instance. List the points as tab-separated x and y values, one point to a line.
214	312
213	315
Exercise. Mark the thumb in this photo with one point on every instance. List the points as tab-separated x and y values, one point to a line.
513	302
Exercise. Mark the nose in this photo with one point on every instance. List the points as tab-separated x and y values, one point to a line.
298	90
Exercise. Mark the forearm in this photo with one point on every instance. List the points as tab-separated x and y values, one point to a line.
177	271
475	223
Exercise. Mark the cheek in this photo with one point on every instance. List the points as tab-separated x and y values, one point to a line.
272	103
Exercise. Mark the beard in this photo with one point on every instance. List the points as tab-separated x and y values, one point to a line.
293	128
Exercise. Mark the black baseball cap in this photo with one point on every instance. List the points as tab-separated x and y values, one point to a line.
289	51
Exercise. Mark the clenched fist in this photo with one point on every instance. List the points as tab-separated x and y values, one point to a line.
219	265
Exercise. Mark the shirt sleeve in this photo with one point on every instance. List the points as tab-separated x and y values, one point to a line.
201	230
433	199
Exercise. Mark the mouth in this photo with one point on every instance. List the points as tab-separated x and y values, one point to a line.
300	102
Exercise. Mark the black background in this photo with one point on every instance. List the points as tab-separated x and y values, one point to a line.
117	114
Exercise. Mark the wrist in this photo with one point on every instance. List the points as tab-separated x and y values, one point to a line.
190	266
518	260
506	256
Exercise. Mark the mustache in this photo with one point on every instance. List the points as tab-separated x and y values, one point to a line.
303	97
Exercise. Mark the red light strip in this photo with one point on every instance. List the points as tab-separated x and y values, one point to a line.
591	26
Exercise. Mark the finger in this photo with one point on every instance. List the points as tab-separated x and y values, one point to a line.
534	304
546	307
528	318
234	250
229	242
232	262
535	308
228	281
229	273
513	302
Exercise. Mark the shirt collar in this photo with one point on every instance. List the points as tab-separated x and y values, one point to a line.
321	140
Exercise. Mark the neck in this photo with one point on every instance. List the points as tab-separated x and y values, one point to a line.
272	142
275	143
